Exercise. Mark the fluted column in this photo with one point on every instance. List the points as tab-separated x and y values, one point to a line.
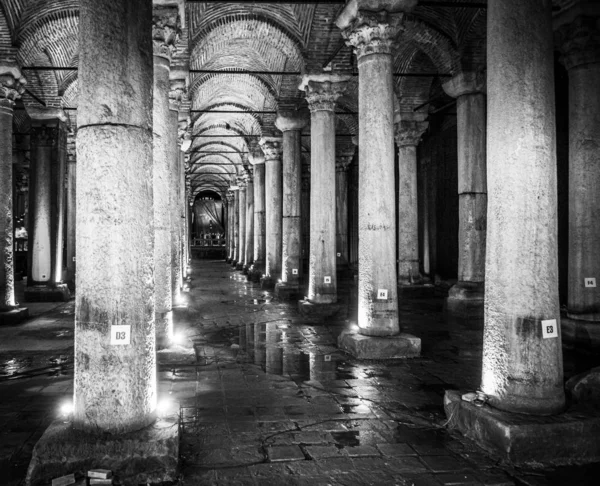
372	34
259	256
342	162
12	84
409	130
291	124
578	38
115	386
249	245
522	353
242	210
469	91
271	147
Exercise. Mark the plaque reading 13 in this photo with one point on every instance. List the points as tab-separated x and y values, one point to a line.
120	335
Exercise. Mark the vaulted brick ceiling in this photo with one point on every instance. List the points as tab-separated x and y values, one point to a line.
243	36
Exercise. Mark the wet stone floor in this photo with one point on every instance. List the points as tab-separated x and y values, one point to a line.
266	398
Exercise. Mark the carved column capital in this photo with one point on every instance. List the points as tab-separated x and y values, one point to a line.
409	132
578	41
323	90
177	94
373	32
166	29
12	83
271	147
465	83
291	120
342	162
256	158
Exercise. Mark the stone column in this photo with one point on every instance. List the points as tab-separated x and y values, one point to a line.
230	231
12	84
305	213
342	162
579	42
71	263
410	127
165	25
249	245
372	35
522	365
271	147
322	92
115	385
259	256
173	187
235	235
291	124
469	91
46	205
242	209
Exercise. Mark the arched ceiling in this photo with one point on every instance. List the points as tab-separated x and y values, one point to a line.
231	111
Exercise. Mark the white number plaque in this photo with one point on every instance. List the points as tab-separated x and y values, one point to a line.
120	335
549	329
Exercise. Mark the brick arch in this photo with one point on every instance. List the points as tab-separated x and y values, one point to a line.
244	122
472	45
413	91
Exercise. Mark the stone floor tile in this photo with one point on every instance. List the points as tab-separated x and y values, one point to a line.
285	453
394	450
362	451
458	479
321	452
445	463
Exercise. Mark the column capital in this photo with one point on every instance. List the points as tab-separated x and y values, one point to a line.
409	132
577	35
166	29
256	158
229	196
371	32
291	120
271	147
342	162
465	83
12	82
323	90
177	94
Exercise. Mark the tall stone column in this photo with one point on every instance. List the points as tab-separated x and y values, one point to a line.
305	213
469	90
322	92
410	127
174	161
12	84
342	162
271	147
242	209
47	206
259	264
522	353
164	31
230	231
579	42
249	245
291	124
71	202
235	233
115	385
372	35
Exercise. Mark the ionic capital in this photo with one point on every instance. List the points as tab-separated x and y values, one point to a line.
291	120
166	29
271	147
409	132
12	83
578	39
323	90
465	83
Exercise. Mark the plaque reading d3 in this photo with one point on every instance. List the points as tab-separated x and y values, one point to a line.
120	335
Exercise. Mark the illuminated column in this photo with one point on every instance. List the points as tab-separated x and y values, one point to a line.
271	147
579	43
322	92
242	209
342	162
115	386
235	226
258	266
12	84
230	209
165	25
175	96
291	249
409	130
372	35
48	138
249	245
71	202
522	365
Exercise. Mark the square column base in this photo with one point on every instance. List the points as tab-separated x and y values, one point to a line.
46	293
150	455
267	283
568	438
13	316
318	311
373	347
285	291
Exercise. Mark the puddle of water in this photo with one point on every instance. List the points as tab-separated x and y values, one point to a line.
346	438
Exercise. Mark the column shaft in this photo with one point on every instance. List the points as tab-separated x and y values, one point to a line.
71	220
273	210
242	209
7	270
522	370
236	230
258	267
408	212
341	196
174	161
249	245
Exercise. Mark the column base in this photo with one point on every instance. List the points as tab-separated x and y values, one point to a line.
580	333
254	275
571	437
371	347
267	283
10	317
466	299
239	266
246	269
149	455
285	291
319	311
47	293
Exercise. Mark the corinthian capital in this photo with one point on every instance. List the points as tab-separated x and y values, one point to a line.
323	90
166	29
409	132
12	82
271	147
177	94
578	40
373	32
